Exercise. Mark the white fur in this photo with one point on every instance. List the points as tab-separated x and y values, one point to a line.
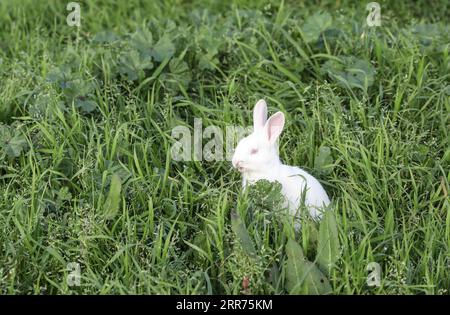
256	157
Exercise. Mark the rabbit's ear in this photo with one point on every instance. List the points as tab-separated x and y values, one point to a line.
274	127
259	115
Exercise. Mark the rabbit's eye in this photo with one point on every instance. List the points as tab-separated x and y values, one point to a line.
253	151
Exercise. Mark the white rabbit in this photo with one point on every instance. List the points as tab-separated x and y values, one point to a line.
256	157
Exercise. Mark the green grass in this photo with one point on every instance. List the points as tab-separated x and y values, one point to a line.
71	119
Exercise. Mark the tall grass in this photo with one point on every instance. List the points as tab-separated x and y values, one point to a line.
388	179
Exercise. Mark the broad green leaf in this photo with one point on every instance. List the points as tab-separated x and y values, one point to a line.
112	203
275	277
105	37
142	41
85	105
350	72
209	44
429	35
16	146
315	281
132	65
331	37
60	75
12	143
328	250
324	161
241	233
302	276
294	250
77	88
163	49
55	76
316	25
180	75
294	266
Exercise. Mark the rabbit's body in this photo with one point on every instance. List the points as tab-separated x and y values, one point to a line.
293	182
256	157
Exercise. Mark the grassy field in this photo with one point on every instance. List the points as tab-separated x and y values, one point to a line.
87	178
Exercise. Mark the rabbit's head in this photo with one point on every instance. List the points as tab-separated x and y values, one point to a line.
259	150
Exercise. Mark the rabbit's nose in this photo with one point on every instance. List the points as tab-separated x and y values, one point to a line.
236	163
